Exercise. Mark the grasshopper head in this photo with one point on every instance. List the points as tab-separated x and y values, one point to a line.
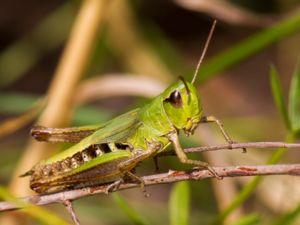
182	105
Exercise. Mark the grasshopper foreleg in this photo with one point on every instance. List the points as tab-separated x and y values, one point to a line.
173	137
212	119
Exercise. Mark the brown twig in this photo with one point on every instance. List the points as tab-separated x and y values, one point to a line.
235	146
70	209
246	145
163	178
173	176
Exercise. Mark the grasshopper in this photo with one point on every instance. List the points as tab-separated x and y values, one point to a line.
108	152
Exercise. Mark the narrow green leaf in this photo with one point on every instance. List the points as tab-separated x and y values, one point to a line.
134	216
36	212
278	96
249	47
86	114
164	47
47	35
179	204
21	102
251	219
294	101
83	114
289	217
249	188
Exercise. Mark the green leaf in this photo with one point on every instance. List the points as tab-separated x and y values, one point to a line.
250	187
294	101
134	216
179	204
50	33
288	218
83	114
251	219
43	215
278	96
21	102
86	114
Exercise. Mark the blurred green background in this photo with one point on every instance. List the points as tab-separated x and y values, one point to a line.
245	81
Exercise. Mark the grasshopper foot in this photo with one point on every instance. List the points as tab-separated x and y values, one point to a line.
114	186
231	142
134	177
142	185
212	170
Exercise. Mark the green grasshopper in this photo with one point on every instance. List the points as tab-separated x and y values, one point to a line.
109	152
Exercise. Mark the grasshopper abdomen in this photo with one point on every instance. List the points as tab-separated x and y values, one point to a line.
81	169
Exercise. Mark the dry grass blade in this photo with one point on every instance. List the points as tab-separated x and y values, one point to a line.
226	11
110	85
67	75
131	48
163	178
12	124
63	86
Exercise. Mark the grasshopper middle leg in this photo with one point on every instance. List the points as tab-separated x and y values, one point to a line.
173	137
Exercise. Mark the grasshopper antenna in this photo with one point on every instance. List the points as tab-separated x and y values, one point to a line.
204	50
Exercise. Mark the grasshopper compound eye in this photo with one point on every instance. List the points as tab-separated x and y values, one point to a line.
175	99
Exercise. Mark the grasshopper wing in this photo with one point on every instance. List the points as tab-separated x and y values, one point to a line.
68	134
115	130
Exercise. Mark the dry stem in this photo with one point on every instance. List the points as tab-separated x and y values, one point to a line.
266	144
163	178
174	176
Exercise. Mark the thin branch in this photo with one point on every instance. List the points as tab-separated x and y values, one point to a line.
244	145
69	207
174	176
163	178
236	146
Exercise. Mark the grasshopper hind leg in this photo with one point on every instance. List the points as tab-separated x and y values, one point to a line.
114	186
134	177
